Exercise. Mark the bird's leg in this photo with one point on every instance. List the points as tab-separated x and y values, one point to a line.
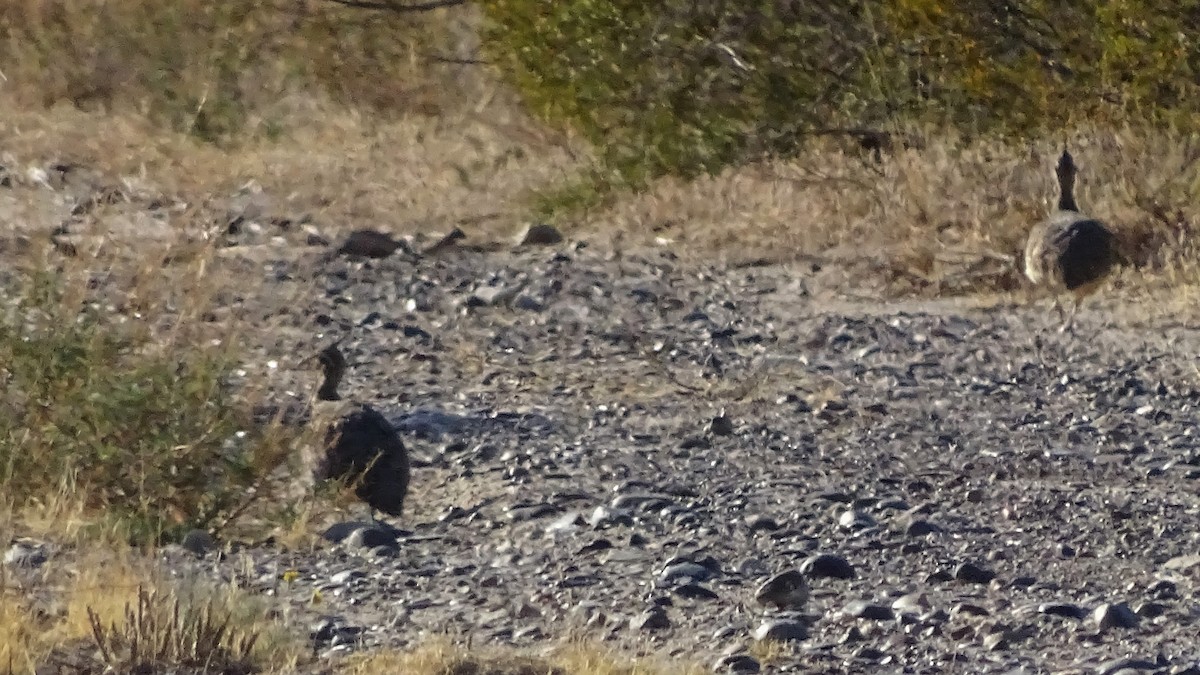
1067	325
1058	309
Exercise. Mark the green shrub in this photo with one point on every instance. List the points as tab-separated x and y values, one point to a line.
135	432
1037	66
687	86
681	86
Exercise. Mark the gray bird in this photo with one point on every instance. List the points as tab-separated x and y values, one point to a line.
361	448
1069	251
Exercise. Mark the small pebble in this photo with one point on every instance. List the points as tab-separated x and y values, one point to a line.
736	663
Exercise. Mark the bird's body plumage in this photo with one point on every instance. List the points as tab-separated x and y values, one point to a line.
1069	251
363	449
360	446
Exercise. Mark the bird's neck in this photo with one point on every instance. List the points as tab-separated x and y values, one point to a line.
328	392
1066	198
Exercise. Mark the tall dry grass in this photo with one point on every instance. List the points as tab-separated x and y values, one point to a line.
949	217
222	71
50	617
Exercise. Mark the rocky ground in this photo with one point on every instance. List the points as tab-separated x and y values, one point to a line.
626	446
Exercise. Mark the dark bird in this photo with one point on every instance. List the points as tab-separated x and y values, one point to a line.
360	447
1069	251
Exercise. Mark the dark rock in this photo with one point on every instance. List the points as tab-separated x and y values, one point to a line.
1117	615
738	664
786	590
651	620
1126	664
694	591
921	528
370	244
971	573
370	538
759	523
781	630
684	570
1163	589
540	234
525	512
827	565
1064	609
198	542
721	425
861	609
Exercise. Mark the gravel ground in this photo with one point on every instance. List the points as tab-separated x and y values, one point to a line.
628	448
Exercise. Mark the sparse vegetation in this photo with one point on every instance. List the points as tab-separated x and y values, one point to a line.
686	88
911	139
157	631
218	70
124	612
132	428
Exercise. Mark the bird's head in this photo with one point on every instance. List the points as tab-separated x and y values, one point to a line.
1066	169
333	366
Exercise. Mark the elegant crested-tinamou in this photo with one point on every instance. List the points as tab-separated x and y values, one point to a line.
360	446
1069	251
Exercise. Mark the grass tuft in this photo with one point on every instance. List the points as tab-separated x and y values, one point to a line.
157	631
95	609
222	71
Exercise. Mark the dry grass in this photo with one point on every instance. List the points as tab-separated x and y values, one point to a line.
224	70
342	169
442	657
51	615
771	652
950	217
17	630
